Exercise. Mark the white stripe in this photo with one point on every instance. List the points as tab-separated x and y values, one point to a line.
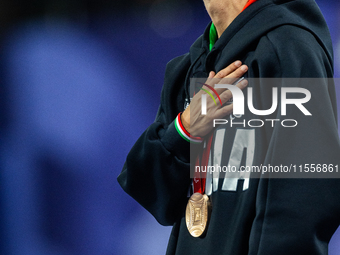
185	135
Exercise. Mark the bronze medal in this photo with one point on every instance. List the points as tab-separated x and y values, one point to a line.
197	214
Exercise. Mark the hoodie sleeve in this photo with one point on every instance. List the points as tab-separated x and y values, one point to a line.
156	171
298	216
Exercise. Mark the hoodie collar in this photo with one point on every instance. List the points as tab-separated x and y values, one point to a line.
213	33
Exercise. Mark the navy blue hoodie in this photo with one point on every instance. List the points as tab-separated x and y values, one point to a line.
276	39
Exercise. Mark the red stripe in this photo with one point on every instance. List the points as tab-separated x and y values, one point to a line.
200	178
197	179
249	3
184	130
214	92
181	125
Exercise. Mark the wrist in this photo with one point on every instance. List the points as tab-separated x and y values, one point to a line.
185	120
184	133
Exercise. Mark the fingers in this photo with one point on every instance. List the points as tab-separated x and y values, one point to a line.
228	70
224	111
209	81
228	75
242	84
211	75
227	95
199	123
232	77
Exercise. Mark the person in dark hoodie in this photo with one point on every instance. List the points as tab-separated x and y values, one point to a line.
281	216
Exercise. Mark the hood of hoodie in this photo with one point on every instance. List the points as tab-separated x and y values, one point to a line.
257	20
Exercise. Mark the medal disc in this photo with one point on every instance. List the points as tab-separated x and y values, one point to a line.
196	214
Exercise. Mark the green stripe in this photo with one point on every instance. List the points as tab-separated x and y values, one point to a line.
209	95
212	36
180	133
183	136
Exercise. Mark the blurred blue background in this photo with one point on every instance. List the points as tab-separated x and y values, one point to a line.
79	82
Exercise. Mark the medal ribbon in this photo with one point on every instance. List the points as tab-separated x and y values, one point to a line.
200	177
